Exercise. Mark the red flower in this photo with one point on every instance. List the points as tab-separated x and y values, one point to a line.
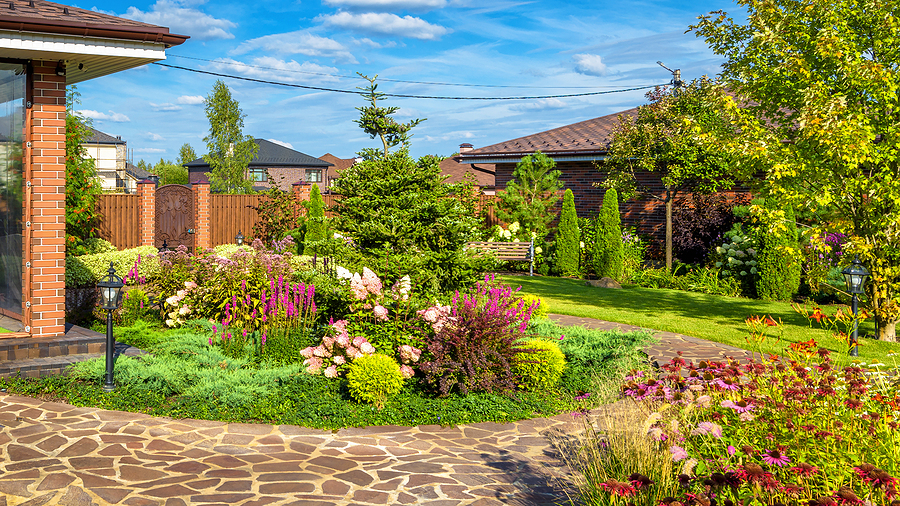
618	488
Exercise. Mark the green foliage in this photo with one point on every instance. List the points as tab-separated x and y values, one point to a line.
82	184
737	257
96	245
540	365
87	270
377	121
186	154
533	301
135	306
607	246
170	173
278	214
374	379
530	196
779	258
315	221
690	279
568	238
229	150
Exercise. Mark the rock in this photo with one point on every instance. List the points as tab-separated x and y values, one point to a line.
603	283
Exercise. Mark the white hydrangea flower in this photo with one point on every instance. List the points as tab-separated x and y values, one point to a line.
718	264
538	250
581	244
753	270
743	273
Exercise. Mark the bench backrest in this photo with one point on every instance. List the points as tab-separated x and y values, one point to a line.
504	250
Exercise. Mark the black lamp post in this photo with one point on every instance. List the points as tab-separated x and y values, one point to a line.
164	247
110	295
855	275
239	238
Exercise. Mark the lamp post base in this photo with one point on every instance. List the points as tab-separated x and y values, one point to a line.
109	388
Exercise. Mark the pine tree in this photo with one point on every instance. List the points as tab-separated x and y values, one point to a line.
315	221
530	195
779	265
568	238
229	150
607	252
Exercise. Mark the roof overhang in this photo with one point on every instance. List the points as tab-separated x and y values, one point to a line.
517	157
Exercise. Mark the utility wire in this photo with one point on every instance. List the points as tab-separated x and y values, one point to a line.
400	95
384	79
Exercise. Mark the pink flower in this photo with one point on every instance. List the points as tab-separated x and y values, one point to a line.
407	371
320	351
381	312
307	352
371	281
358	341
775	458
340	360
331	372
731	450
343	340
367	348
313	365
704	428
678	453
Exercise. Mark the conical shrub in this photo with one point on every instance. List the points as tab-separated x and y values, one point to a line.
607	247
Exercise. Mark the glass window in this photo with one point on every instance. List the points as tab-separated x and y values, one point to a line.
12	125
258	175
313	176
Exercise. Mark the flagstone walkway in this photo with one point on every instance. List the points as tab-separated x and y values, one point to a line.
54	453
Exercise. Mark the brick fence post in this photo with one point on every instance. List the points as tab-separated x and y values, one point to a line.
202	237
147	197
301	191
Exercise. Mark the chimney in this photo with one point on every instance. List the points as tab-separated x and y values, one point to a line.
465	147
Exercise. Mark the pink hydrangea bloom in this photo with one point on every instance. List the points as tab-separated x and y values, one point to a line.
358	341
367	348
381	312
320	351
340	360
371	281
407	371
307	352
343	340
331	372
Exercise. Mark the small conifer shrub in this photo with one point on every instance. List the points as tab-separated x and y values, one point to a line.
315	223
607	248
374	379
540	365
568	251
779	259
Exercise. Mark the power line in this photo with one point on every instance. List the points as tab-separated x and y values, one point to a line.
400	95
384	79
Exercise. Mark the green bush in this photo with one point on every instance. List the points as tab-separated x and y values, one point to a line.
86	270
568	238
96	245
779	258
607	247
135	306
690	279
539	311
540	365
374	379
315	222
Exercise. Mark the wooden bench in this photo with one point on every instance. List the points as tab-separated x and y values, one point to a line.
523	251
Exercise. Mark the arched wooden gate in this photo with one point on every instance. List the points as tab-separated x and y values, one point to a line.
174	216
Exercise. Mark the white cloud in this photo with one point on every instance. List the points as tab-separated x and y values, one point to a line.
190	100
149	150
282	143
154	137
270	68
589	64
385	24
167	107
389	5
183	20
371	43
298	42
542	104
115	117
101	11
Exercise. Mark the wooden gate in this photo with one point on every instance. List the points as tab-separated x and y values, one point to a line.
174	216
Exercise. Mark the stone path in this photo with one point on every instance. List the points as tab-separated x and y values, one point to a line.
54	453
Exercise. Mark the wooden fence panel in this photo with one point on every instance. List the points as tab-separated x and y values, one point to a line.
120	219
330	200
230	214
486	210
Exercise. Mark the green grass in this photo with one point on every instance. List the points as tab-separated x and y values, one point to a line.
715	318
3	330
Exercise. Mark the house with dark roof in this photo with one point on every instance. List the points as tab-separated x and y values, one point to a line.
273	164
46	46
483	174
109	154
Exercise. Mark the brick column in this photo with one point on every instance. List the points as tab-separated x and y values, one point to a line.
44	285
301	190
202	237
146	190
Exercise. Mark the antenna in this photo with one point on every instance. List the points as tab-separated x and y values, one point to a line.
676	75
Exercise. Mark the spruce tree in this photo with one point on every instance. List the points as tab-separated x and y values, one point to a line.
315	222
779	265
607	247
568	238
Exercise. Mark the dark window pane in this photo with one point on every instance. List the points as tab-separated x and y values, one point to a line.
12	123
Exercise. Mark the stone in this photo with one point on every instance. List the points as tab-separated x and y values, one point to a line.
281	488
18	453
334	487
371	497
170	491
80	448
52	443
333	463
56	481
111	495
191	467
75	496
603	282
235	486
356	477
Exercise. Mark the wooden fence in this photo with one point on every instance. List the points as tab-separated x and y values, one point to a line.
120	219
230	214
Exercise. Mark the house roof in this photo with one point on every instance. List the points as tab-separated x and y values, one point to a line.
98	137
483	172
272	155
48	17
583	140
136	172
339	163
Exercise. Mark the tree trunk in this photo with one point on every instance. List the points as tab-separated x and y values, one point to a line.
886	330
669	205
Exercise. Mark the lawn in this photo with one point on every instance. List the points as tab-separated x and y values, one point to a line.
3	330
716	318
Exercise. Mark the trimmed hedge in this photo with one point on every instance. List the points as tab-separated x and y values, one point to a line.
86	270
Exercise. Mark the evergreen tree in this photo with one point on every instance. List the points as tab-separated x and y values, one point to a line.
607	247
779	258
230	151
568	238
315	221
377	121
186	154
529	197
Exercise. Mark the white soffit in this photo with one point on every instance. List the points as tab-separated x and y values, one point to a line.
97	56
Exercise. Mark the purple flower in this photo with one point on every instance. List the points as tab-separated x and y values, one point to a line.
775	458
731	450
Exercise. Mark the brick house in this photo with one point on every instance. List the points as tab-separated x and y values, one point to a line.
338	166
109	154
285	166
578	150
44	47
484	173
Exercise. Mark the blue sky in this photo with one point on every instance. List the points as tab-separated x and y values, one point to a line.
519	48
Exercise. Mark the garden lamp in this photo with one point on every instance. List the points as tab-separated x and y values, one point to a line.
239	238
110	296
164	247
855	275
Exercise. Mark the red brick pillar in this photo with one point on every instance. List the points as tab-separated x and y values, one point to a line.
44	286
301	190
202	237
146	190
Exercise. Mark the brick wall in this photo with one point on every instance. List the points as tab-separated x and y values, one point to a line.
45	283
285	177
201	215
147	222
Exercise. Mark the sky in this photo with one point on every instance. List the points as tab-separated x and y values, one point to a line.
454	48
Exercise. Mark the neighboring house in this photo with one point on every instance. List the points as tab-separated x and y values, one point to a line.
578	150
45	47
484	173
284	165
133	174
339	164
109	154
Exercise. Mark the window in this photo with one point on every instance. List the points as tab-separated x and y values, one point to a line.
313	176
258	175
12	122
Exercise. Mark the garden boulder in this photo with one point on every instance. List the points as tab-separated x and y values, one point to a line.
603	282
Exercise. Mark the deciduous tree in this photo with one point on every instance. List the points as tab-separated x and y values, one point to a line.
186	154
82	184
229	150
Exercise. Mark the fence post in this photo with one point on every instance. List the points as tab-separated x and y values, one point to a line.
202	237
147	195
301	190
